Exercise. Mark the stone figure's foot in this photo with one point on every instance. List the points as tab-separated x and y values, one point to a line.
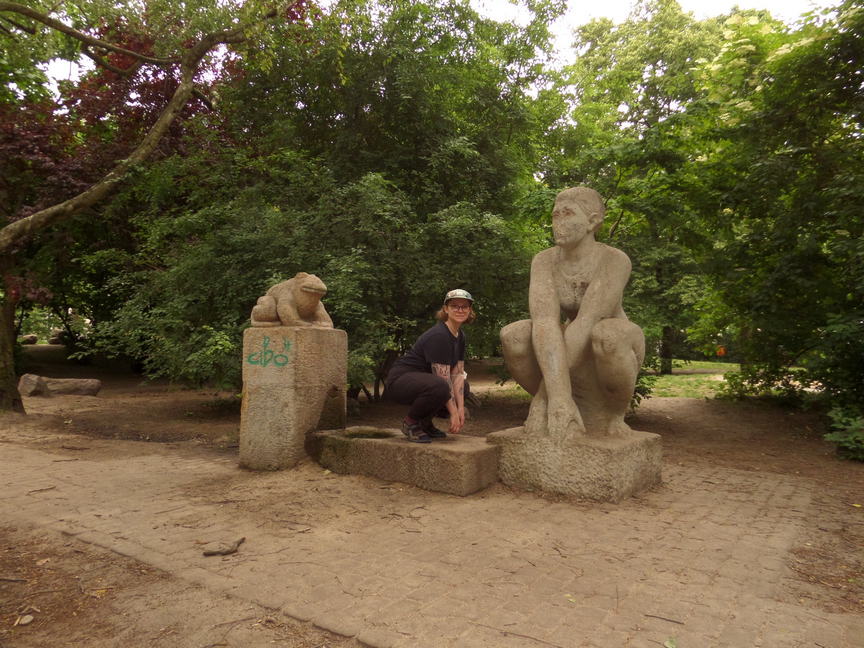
618	428
536	423
565	421
415	433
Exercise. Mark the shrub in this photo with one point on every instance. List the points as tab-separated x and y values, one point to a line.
847	425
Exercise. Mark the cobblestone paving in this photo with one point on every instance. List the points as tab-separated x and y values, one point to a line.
700	561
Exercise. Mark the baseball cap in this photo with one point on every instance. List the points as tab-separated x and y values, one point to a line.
458	293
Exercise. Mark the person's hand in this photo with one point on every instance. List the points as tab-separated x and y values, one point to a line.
457	422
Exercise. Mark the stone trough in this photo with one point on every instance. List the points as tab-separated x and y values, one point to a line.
459	465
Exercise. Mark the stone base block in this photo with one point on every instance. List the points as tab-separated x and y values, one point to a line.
604	470
459	465
294	380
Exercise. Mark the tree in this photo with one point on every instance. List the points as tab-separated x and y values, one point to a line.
383	153
187	34
780	193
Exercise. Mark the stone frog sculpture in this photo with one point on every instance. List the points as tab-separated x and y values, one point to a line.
295	302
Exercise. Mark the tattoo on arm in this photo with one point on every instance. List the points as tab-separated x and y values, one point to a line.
441	370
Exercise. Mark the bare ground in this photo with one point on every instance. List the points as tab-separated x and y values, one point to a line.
75	594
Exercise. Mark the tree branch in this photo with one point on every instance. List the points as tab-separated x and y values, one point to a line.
17	25
53	23
204	98
98	60
26	227
189	63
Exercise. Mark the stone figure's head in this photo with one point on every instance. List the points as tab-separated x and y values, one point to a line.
309	290
578	211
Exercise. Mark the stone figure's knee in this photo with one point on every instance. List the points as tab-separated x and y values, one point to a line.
610	336
617	337
516	338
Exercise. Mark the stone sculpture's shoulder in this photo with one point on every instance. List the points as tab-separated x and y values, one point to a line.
615	256
545	258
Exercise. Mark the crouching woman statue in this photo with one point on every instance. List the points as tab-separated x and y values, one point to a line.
578	355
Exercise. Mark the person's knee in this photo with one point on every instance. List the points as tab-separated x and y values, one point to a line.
439	390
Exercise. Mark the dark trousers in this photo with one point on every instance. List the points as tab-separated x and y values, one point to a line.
425	393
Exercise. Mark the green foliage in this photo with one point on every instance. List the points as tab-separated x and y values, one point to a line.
428	94
729	151
383	152
836	363
38	321
780	383
780	189
202	265
847	426
645	384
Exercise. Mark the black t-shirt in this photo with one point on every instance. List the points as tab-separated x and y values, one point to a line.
437	345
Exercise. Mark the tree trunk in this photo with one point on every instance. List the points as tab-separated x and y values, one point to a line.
10	399
666	345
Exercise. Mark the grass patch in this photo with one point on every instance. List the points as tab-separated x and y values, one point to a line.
688	385
704	365
512	391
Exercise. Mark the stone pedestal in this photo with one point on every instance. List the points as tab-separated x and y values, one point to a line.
294	381
604	469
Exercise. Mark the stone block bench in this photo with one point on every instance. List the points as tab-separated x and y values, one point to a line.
459	465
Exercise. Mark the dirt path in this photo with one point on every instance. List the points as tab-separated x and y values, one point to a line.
753	539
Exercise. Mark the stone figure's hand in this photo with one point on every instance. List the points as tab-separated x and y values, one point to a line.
564	419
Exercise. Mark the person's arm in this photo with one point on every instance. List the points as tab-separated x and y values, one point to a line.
443	371
457	375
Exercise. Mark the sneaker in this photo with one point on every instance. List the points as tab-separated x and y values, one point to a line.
429	428
415	433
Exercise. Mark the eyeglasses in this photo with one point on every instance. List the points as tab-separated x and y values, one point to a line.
460	308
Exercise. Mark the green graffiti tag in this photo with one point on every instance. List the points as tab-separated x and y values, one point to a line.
267	356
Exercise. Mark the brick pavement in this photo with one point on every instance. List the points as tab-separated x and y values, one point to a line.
701	560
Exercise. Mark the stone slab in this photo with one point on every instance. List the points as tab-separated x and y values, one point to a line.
601	469
33	385
294	381
459	465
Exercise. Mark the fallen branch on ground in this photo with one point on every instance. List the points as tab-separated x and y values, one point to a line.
516	634
654	616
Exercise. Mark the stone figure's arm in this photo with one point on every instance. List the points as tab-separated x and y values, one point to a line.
602	300
546	334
